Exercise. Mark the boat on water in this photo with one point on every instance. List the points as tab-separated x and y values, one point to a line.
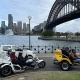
9	32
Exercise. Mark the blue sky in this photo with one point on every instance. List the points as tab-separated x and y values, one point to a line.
38	9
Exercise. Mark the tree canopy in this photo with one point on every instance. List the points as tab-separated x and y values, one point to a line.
48	33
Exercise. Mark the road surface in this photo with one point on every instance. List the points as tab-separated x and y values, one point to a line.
49	67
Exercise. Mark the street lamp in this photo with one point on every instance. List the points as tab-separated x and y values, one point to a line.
29	17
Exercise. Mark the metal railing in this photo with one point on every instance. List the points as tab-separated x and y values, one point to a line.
48	49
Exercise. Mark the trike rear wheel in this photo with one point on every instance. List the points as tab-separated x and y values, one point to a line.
65	66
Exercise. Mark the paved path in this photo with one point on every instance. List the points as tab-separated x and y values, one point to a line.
49	67
49	55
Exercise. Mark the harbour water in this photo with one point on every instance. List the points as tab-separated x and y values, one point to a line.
24	40
39	46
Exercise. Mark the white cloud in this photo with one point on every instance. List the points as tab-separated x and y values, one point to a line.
21	9
38	9
71	26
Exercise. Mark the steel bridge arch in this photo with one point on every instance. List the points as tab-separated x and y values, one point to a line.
57	7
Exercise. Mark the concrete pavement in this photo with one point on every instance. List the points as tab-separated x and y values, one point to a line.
44	55
50	55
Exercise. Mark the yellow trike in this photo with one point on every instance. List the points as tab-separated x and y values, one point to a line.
63	60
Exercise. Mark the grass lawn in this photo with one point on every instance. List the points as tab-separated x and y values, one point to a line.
60	76
46	75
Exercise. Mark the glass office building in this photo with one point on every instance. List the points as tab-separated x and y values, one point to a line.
10	21
3	27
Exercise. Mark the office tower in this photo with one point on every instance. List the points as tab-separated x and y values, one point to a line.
40	27
19	27
0	30
3	27
24	28
10	21
15	28
27	28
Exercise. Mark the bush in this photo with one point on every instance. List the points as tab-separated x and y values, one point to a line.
47	33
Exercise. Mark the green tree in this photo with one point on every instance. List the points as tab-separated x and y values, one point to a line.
77	34
62	34
58	34
48	33
66	34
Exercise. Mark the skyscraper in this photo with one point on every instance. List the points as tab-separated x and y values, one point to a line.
27	28
10	21
19	27
3	27
24	28
14	28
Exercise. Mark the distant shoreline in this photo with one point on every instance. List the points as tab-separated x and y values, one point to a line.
60	39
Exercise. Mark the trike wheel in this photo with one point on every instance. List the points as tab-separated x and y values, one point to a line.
6	71
65	66
42	64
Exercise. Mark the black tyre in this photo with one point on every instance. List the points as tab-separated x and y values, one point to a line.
6	71
65	66
42	64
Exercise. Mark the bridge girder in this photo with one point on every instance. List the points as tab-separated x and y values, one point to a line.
57	7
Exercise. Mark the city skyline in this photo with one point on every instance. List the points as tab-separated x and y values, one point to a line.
39	10
20	25
10	22
18	28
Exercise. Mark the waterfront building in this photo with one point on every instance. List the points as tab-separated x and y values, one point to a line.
14	28
0	30
37	28
10	21
24	28
19	27
40	27
27	28
3	27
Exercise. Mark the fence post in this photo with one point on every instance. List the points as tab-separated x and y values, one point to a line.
31	47
75	48
58	46
52	48
38	49
23	46
45	49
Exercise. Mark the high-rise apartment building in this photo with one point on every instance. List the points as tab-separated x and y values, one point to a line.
0	30
14	28
27	28
40	27
24	28
19	27
3	27
10	21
